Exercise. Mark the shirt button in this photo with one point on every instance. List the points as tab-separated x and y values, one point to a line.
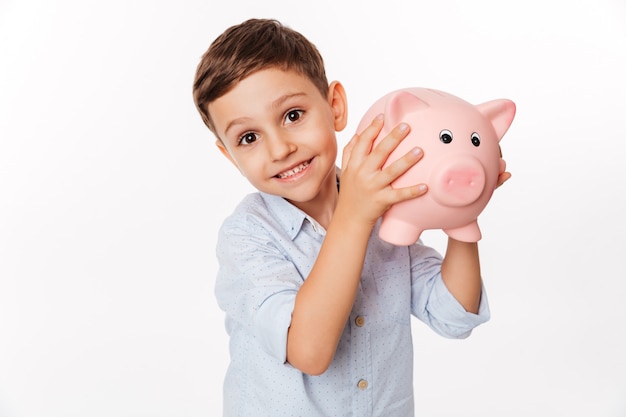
360	321
362	384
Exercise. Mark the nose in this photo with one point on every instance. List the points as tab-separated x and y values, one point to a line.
279	147
459	183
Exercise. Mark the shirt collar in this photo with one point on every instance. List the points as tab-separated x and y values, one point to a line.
290	217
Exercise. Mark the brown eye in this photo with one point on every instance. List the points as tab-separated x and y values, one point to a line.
293	116
445	136
247	138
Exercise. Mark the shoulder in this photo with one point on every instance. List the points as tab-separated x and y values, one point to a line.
246	217
261	217
258	210
251	205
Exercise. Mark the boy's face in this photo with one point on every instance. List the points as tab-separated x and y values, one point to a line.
279	131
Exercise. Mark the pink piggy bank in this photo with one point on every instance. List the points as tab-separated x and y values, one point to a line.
461	162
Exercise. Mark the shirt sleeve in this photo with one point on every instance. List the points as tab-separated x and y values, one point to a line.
432	302
256	287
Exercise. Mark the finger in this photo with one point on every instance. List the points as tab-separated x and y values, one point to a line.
408	193
502	178
502	166
388	144
403	164
347	151
364	140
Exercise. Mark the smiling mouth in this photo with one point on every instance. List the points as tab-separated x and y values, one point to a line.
293	171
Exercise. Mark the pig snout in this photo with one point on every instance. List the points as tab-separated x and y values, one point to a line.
458	183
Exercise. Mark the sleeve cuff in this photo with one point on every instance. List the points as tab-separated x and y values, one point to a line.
271	323
449	318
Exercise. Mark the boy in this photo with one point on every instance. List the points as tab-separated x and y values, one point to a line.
317	306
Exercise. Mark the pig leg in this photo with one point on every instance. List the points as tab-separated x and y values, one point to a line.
467	233
398	232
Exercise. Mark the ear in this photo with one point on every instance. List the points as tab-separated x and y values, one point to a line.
399	105
339	104
224	151
500	112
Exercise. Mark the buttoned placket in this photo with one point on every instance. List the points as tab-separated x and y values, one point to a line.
361	373
362	367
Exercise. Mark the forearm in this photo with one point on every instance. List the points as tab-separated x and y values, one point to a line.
460	271
324	301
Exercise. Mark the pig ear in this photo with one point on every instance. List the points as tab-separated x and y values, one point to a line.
500	112
399	105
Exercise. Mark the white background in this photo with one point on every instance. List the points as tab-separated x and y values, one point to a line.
111	193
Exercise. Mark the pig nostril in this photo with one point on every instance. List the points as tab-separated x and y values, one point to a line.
459	183
470	182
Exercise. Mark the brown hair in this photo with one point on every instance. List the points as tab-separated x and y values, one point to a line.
248	47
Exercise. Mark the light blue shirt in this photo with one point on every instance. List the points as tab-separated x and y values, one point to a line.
266	249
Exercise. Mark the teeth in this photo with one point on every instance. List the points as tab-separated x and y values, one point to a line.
293	171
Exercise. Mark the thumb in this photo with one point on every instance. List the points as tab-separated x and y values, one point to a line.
347	152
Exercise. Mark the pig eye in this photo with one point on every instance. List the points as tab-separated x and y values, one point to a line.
475	139
445	136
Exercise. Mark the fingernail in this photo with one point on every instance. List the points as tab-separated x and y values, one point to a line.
417	151
380	116
403	127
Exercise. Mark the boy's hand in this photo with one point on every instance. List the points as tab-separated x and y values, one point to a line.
365	185
503	175
502	178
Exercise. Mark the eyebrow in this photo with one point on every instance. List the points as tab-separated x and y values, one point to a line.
280	100
275	104
234	123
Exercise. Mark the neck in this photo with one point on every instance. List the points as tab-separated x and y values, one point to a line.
323	206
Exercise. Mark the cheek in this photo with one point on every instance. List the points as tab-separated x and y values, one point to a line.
249	167
325	133
231	160
328	141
